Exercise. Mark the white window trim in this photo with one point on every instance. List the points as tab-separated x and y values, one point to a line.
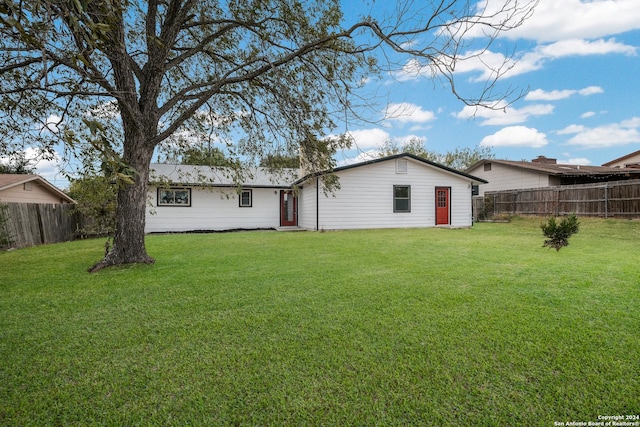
181	205
250	192
395	210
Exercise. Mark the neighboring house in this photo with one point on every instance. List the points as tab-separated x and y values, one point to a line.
542	172
631	160
20	188
396	191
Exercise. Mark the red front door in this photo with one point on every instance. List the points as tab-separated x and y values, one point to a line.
442	205
288	208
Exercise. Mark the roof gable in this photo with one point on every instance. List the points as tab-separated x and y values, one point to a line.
558	169
620	159
9	180
393	157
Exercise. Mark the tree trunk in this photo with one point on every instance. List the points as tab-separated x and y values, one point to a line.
128	240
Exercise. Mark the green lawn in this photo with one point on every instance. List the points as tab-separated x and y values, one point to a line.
481	326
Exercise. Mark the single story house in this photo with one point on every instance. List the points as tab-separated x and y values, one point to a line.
631	160
23	188
396	191
542	172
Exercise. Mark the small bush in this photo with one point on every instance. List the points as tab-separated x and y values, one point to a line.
558	234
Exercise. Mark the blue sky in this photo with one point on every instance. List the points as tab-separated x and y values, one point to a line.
579	61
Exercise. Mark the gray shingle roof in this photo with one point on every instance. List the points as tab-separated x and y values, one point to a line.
221	176
560	169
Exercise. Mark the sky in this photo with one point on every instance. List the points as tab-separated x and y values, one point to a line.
579	65
577	61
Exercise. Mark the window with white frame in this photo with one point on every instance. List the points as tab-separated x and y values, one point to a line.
246	198
402	198
174	197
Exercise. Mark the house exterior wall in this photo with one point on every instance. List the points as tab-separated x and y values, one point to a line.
307	201
365	198
503	177
630	160
30	192
214	209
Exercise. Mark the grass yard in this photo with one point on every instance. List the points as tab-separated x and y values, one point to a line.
481	326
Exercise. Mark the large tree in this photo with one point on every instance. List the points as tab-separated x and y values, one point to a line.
459	158
263	75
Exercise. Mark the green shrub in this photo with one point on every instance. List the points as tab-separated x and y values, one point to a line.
558	234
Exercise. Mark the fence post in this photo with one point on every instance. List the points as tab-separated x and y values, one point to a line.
606	200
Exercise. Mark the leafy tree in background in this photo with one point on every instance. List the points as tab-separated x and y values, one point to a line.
460	158
199	155
280	161
130	75
96	197
18	165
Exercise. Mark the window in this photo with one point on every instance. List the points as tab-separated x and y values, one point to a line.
245	198
487	167
174	197
402	198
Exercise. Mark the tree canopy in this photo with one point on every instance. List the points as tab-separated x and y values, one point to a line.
459	158
119	79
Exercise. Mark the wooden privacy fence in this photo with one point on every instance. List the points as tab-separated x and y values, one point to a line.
617	199
30	224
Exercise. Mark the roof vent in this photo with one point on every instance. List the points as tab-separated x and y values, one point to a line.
543	159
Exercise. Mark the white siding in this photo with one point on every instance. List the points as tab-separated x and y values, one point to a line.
307	205
365	198
215	209
503	177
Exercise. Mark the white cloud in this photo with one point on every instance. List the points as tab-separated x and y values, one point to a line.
582	161
515	136
614	134
587	114
51	123
591	90
506	116
412	70
361	157
487	63
581	47
367	139
369	144
46	165
554	20
535	59
571	129
408	113
555	95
